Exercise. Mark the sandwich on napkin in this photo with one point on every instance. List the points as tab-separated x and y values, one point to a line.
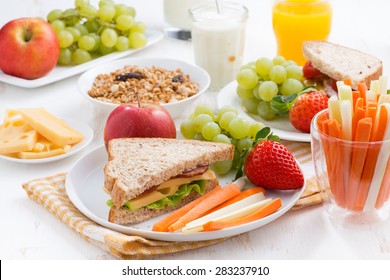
329	62
148	177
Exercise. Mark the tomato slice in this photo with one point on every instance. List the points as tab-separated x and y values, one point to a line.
309	71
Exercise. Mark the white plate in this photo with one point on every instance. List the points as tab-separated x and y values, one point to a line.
280	126
84	186
81	127
63	72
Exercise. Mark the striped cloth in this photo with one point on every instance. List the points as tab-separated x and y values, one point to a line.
50	193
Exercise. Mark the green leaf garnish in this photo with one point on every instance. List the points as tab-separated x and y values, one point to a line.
281	104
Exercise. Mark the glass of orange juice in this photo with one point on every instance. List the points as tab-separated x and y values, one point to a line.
296	21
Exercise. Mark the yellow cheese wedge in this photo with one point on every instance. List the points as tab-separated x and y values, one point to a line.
18	138
52	128
166	189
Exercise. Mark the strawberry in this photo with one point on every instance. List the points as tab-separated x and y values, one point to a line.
305	107
270	165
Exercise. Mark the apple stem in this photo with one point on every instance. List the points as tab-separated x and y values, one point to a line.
139	102
28	35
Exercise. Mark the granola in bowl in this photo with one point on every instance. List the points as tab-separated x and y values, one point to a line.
151	84
171	83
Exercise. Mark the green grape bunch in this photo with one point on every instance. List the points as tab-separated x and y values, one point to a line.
224	127
262	83
86	32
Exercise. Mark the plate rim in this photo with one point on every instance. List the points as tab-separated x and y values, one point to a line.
164	236
87	132
283	134
153	35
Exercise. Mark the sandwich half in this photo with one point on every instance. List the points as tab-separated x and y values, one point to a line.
148	177
337	62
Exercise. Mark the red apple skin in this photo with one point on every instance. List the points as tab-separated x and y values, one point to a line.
127	121
29	48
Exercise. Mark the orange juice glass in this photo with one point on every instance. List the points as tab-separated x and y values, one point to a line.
296	21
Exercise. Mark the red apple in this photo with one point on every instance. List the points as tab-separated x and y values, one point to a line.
145	121
29	48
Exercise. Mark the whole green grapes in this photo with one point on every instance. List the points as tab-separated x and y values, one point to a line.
260	82
85	32
222	126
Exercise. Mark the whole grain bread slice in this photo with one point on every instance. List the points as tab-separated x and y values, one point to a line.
138	164
339	62
122	215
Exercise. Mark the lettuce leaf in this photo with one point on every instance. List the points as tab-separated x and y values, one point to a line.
182	191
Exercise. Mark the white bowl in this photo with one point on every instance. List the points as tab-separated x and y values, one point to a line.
175	108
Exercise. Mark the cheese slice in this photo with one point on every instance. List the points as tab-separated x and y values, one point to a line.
16	136
42	154
166	189
52	128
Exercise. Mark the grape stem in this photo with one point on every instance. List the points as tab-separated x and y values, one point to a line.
77	13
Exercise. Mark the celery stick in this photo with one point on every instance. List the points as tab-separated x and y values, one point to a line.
339	84
383	85
380	167
375	86
371	96
345	93
384	98
346	116
334	109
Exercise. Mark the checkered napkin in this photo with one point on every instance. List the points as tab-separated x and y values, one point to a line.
50	193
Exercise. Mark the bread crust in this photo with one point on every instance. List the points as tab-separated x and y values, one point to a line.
339	62
122	215
131	169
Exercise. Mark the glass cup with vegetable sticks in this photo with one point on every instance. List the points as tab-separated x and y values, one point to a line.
351	152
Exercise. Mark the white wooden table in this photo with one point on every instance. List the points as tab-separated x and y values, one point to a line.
29	231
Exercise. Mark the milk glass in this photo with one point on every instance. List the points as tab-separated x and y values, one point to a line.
218	40
178	19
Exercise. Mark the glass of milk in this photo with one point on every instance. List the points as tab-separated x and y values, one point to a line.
178	19
218	36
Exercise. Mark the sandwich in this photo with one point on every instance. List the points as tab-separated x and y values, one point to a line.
329	62
148	177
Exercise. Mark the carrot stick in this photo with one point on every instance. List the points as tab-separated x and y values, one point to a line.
320	121
359	153
359	103
238	197
337	163
328	151
201	208
355	97
347	82
163	224
359	114
381	131
380	124
370	163
266	210
371	113
362	88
